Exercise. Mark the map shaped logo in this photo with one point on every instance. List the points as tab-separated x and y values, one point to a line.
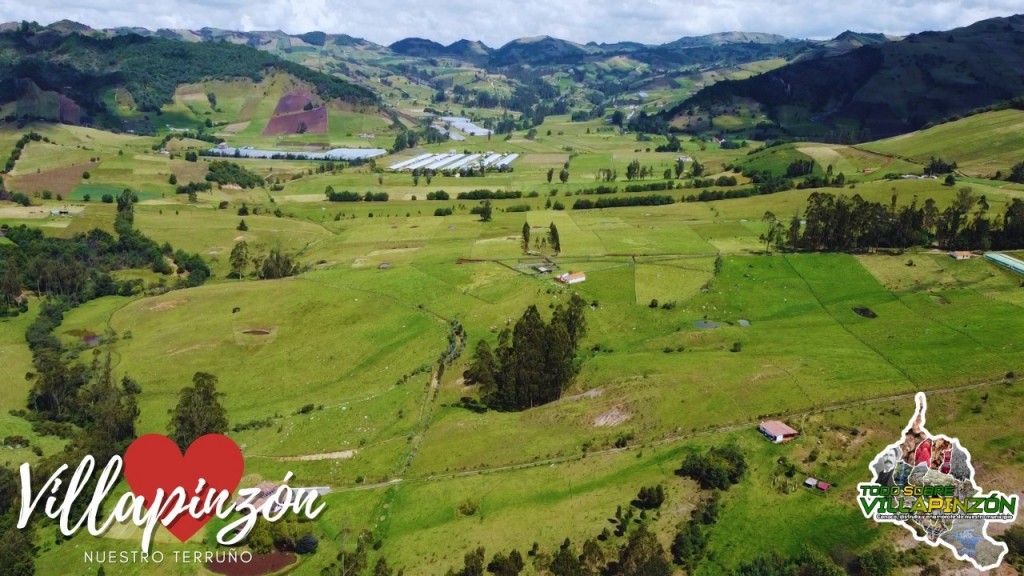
925	484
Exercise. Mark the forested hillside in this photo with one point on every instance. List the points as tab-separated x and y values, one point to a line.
885	89
36	67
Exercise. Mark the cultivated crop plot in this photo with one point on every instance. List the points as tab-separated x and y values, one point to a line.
672	301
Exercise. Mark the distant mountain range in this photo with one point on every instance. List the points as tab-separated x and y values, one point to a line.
862	85
536	51
594	72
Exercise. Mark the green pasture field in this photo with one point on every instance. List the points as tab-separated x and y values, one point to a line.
96	192
354	390
17	361
213	233
980	144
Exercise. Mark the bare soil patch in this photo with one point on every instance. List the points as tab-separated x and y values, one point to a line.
613	417
586	395
340	455
59	180
32	212
293	102
315	121
167	305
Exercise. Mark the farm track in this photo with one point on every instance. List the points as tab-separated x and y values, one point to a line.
663	441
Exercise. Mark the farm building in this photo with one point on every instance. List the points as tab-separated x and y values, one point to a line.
811	482
823	486
465	125
777	432
454	161
572	278
960	255
1005	261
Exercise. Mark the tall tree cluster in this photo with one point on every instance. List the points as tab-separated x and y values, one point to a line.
841	224
720	467
534	361
554	240
199	411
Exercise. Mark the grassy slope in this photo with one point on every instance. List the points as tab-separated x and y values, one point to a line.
980	144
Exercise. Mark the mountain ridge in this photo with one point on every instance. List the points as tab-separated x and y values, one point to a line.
425	47
885	88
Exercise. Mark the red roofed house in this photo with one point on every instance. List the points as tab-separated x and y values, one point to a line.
777	432
823	486
572	278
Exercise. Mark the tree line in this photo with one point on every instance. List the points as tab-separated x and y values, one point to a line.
19	146
534	361
346	196
619	201
485	194
840	224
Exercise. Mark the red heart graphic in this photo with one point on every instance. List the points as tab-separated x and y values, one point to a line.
154	462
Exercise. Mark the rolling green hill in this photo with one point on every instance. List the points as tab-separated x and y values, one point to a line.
467	50
981	145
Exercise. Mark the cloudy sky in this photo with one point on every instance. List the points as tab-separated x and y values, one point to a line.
498	21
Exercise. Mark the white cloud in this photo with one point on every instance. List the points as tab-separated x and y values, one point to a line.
649	21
